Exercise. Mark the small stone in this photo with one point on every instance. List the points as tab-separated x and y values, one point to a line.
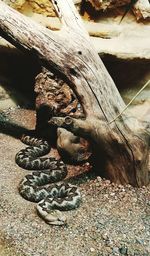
108	250
112	194
109	242
100	222
99	179
123	190
92	249
139	241
105	236
124	236
123	250
115	250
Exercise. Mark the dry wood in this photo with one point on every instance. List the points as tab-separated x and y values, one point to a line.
142	9
120	152
107	4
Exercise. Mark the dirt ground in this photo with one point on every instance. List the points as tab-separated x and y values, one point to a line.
112	219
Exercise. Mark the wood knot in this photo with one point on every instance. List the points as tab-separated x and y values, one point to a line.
68	120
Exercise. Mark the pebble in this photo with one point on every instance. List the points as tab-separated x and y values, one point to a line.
99	179
112	194
123	250
105	236
115	250
92	249
139	241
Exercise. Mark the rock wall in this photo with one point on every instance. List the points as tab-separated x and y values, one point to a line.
44	7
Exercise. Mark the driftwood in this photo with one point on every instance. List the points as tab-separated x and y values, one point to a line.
109	4
119	149
142	9
131	33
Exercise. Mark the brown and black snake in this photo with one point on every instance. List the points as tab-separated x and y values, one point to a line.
35	186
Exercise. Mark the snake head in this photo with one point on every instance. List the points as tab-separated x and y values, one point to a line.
56	218
52	217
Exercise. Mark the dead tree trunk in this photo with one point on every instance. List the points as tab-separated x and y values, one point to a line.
120	148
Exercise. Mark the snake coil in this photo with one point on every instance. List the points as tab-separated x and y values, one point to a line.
35	187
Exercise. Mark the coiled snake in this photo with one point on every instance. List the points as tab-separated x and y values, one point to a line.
34	187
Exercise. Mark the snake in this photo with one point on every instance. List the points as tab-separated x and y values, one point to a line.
44	184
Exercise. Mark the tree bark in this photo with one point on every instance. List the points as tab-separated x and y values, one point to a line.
142	9
120	148
107	4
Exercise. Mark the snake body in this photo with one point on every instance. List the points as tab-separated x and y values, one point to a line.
35	187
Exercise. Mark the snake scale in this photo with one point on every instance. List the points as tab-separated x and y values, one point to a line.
35	187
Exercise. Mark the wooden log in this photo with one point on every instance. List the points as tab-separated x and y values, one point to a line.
120	149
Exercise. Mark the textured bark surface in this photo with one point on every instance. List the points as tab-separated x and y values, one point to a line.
57	95
55	98
120	152
109	4
142	9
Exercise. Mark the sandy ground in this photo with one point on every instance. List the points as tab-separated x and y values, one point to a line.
112	219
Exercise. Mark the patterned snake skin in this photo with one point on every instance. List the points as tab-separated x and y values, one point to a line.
34	187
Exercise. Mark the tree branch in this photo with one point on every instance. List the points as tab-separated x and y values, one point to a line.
78	127
55	54
71	20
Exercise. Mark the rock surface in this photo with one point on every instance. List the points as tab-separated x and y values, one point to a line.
27	7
